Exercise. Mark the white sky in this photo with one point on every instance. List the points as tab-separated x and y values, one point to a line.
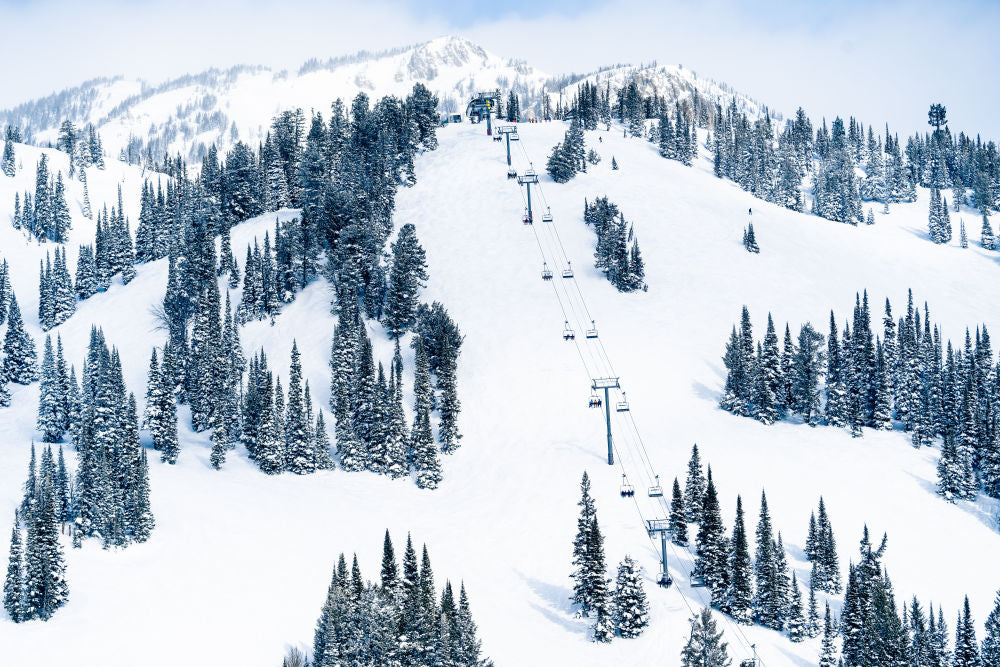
881	60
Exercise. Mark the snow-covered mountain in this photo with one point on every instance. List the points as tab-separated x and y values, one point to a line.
187	114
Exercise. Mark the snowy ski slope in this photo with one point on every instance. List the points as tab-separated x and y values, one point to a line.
239	561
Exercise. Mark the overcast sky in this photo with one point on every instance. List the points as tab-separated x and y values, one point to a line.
881	60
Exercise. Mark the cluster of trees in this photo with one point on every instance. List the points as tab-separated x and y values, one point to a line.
623	611
111	497
568	157
56	298
906	375
617	254
46	215
371	428
399	621
513	110
761	589
35	586
676	139
83	146
110	254
280	432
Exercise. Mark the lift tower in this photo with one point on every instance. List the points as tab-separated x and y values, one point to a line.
661	527
509	132
528	179
606	384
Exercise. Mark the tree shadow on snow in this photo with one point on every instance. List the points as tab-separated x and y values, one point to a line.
553	602
984	509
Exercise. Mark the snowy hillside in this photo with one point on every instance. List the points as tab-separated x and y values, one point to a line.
236	569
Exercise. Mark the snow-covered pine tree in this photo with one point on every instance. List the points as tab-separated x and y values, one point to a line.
449	406
299	455
407	275
631	609
705	647
52	401
986	235
20	361
990	654
798	628
828	652
678	516
711	563
13	585
739	596
694	489
425	453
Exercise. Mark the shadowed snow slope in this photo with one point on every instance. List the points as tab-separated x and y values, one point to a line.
238	564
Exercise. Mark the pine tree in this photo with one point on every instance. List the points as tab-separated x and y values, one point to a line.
991	641
768	602
739	597
299	457
798	628
694	490
828	654
678	516
812	613
13	586
966	646
705	647
582	548
986	236
407	275
19	364
712	550
631	610
449	405
52	400
425	453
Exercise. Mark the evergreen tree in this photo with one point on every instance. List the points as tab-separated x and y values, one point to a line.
52	400
712	550
991	641
19	349
705	647
828	654
425	453
678	516
13	586
966	646
631	610
449	405
694	490
986	236
739	597
299	457
798	629
407	275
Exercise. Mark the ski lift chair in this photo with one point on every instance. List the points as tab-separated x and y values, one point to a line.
595	401
511	173
546	274
664	580
547	216
627	490
622	405
592	331
527	217
568	271
568	333
696	580
656	491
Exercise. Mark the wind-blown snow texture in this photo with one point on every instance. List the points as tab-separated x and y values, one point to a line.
239	561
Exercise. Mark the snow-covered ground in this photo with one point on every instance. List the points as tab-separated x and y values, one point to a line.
238	564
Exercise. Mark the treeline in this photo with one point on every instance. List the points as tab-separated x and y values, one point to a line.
617	254
398	621
906	376
763	589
